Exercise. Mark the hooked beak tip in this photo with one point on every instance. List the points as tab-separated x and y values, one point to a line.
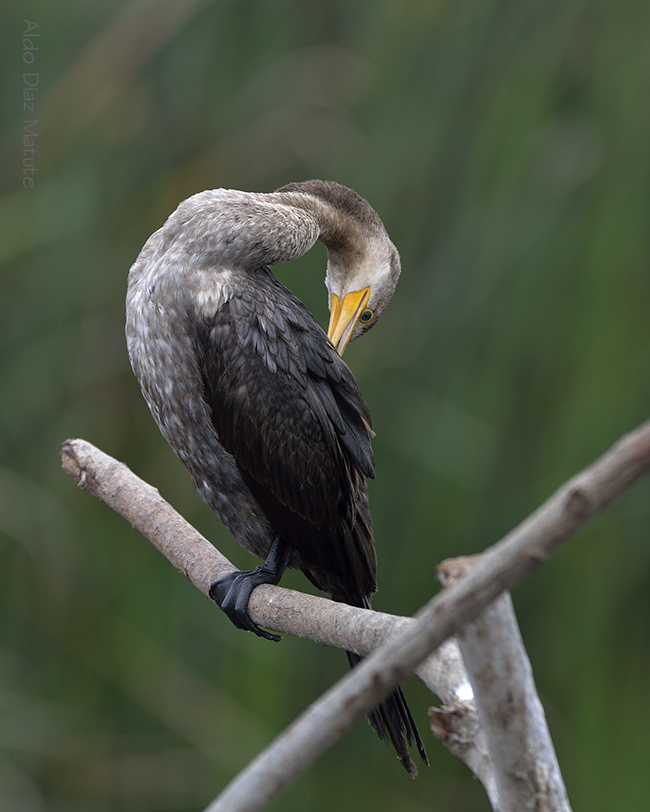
344	316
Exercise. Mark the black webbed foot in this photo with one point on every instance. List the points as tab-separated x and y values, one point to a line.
232	592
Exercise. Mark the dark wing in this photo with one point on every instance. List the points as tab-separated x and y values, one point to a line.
290	412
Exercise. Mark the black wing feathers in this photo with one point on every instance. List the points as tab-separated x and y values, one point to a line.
290	412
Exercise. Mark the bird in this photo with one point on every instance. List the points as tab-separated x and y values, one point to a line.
254	397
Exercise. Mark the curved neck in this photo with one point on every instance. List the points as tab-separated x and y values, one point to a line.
339	231
226	228
350	229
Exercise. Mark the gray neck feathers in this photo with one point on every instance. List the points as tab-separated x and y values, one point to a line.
228	227
225	229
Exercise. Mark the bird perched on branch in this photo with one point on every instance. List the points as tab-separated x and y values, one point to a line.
254	397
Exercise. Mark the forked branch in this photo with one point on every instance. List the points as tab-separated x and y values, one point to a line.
408	642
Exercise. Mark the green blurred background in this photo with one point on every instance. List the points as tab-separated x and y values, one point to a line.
506	145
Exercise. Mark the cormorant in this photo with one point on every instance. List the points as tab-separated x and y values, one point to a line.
254	397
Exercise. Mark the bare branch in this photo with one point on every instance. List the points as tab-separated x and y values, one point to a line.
523	761
283	610
522	551
458	727
503	565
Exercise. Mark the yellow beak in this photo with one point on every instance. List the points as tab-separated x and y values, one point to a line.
344	315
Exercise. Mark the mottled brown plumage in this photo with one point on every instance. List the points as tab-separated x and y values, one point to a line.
254	398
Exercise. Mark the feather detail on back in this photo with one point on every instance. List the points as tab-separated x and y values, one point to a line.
289	410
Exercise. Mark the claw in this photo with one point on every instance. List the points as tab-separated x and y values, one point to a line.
232	592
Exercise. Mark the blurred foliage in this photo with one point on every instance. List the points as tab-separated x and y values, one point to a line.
505	145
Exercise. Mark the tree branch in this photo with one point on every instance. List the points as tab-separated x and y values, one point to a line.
522	757
528	546
283	610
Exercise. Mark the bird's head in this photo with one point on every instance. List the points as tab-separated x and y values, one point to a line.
362	263
360	289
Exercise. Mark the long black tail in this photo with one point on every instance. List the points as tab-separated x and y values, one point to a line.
393	723
392	720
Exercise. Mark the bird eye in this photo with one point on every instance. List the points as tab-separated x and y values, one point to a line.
366	316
